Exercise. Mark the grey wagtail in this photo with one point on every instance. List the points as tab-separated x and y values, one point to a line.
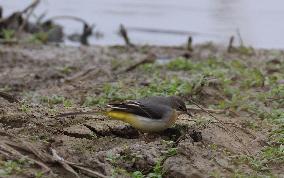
152	114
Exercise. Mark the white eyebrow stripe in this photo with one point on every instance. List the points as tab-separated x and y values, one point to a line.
133	104
114	107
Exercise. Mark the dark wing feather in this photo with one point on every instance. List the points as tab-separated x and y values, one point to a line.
140	109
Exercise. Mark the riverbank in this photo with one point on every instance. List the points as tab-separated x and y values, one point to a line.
243	89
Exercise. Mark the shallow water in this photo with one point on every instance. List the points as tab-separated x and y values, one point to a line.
259	22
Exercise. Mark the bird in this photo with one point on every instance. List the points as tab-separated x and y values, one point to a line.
150	114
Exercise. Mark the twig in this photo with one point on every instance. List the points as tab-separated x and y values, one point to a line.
32	5
123	33
25	146
230	46
170	32
61	161
1	12
84	74
148	59
29	10
88	171
68	166
8	150
13	154
87	31
68	17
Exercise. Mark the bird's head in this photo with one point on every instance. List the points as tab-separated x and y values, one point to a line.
179	105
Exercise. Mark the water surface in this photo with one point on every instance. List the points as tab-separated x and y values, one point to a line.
259	22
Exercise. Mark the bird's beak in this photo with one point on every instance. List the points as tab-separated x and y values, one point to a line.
188	113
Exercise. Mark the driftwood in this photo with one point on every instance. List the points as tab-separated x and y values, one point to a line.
86	73
78	19
87	28
17	18
29	10
124	34
230	46
149	59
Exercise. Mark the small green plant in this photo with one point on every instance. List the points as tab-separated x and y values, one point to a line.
171	152
67	103
8	34
55	99
14	166
215	174
137	174
25	108
65	70
39	174
245	50
111	158
180	64
157	170
39	38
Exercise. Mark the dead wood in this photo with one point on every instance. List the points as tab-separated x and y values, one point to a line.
149	59
11	150
124	34
29	11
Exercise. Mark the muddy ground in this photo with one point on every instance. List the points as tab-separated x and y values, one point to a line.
246	140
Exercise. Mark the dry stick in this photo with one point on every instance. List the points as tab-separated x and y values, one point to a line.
32	5
7	147
68	17
144	61
124	34
71	164
230	46
61	161
81	75
12	151
1	12
25	146
29	10
87	171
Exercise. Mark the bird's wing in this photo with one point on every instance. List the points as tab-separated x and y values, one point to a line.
138	108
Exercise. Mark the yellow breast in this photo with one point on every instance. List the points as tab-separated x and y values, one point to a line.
143	123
